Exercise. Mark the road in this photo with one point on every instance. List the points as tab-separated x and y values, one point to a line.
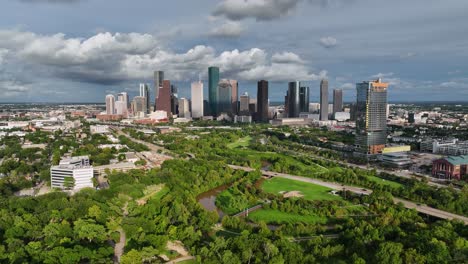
336	186
152	147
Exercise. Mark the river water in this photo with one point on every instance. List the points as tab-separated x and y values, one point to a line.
207	199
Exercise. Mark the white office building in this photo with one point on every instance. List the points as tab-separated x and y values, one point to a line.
197	99
76	168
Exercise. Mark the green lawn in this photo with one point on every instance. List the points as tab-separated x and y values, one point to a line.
385	182
278	217
309	190
241	142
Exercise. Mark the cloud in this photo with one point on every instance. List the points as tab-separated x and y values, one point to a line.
264	10
229	29
383	75
110	59
286	57
258	9
328	42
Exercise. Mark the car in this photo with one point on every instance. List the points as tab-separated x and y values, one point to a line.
364	190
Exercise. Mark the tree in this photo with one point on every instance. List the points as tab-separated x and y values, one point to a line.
87	229
389	253
69	183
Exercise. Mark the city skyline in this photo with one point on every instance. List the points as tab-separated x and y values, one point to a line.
247	42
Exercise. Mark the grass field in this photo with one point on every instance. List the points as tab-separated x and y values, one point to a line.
385	182
241	142
309	190
278	217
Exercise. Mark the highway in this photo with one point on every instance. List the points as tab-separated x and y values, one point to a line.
337	186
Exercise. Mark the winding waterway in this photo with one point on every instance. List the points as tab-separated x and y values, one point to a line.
208	199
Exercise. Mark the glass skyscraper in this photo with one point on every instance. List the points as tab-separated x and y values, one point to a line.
213	81
324	100
294	99
224	97
371	116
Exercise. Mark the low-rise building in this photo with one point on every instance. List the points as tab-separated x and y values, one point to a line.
72	173
452	167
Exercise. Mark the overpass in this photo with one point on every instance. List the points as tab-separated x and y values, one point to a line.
341	187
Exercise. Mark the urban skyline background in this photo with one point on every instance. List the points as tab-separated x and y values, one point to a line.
97	49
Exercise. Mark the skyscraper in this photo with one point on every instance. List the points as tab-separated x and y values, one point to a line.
244	104
262	101
158	83
163	103
337	100
324	100
122	104
224	97
234	96
144	92
110	104
293	99
184	108
139	105
174	100
371	119
213	80
304	98
197	99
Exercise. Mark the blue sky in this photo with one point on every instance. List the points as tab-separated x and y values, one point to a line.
80	50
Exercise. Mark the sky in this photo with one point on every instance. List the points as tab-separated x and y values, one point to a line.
81	50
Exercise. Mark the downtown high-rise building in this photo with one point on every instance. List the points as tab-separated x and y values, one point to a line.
337	101
139	105
144	92
110	104
324	100
123	104
371	119
293	99
224	97
244	105
304	99
213	81
197	99
234	96
262	101
158	83
163	102
184	108
174	100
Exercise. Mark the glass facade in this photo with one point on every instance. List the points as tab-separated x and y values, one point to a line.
213	80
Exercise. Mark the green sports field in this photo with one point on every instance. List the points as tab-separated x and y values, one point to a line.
308	190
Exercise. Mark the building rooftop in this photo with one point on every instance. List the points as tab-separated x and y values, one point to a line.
457	160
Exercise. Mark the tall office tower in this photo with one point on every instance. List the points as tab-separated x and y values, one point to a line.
234	96
184	108
158	83
293	99
163	103
253	105
122	104
213	81
144	92
244	104
324	100
337	100
262	101
120	108
304	98
286	106
197	99
110	104
174	100
371	120
224	97
139	105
